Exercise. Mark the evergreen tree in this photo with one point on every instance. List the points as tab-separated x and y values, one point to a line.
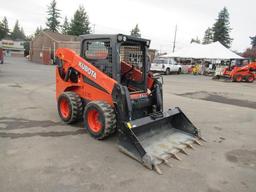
38	30
65	27
80	23
17	32
22	34
135	32
6	27
221	28
2	32
53	22
208	36
253	41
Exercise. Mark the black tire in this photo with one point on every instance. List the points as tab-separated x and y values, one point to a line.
179	71
249	78
216	77
75	107
106	117
237	78
167	72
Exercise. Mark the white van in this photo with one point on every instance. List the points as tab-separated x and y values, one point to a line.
166	65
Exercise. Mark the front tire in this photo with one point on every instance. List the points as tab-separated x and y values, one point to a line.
99	119
237	78
70	107
167	72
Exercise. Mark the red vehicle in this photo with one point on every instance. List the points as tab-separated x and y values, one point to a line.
245	73
1	56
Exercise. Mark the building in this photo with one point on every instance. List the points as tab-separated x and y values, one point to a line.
43	46
12	48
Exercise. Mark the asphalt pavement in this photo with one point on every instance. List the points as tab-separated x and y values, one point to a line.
40	153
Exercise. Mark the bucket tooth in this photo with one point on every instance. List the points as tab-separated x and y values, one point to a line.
188	145
173	155
197	142
182	150
201	138
157	169
165	161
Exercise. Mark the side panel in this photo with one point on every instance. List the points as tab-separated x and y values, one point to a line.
83	89
92	84
71	59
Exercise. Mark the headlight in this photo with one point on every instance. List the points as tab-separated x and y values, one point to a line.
148	42
124	38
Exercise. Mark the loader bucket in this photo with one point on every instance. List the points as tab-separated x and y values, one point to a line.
154	139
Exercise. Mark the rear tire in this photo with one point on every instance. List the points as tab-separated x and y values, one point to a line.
237	78
70	107
167	72
99	119
249	78
179	71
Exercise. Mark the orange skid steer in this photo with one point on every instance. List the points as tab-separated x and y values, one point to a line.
110	88
245	73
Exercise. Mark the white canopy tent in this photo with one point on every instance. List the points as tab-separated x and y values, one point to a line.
210	51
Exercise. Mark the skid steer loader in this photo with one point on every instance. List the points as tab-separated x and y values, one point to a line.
236	73
110	87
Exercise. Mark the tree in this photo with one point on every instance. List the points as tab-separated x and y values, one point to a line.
196	40
208	36
250	53
2	32
18	33
6	27
80	23
135	32
221	29
53	22
38	30
65	27
253	41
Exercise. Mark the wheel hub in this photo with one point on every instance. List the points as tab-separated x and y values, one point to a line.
64	108
94	122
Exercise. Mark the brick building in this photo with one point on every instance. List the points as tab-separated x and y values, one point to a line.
43	46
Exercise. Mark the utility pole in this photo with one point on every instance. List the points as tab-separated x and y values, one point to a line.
174	41
93	28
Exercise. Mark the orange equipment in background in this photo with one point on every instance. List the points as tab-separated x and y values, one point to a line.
245	73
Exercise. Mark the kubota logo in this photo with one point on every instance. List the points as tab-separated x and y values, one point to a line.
87	70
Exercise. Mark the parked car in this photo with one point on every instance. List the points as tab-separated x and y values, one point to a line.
1	56
166	65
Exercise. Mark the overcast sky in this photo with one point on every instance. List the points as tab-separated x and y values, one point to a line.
156	18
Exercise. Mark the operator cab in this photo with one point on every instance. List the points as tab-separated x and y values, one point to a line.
121	57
